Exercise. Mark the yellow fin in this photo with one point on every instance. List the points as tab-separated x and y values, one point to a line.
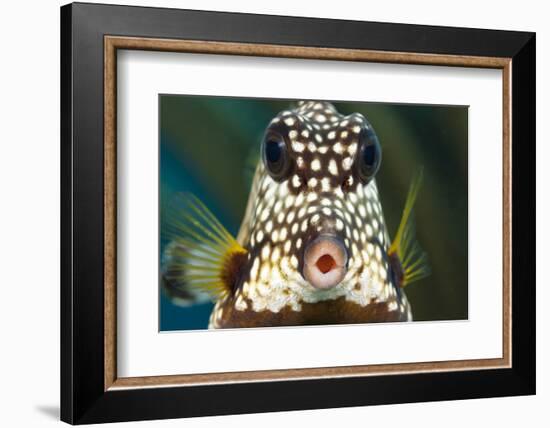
414	260
204	256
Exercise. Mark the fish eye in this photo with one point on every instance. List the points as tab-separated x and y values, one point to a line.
369	155
275	156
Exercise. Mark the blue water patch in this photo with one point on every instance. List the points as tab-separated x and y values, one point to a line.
174	317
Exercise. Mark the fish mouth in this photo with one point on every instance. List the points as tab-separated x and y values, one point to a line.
325	262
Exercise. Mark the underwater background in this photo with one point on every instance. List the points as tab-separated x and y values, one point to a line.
209	146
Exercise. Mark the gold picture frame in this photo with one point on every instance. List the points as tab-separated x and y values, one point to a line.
114	43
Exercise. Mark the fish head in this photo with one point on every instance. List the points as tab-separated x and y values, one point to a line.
316	227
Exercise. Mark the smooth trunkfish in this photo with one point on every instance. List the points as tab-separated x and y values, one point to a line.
313	247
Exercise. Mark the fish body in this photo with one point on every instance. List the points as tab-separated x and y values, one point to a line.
313	247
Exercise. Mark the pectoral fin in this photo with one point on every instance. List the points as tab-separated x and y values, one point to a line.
203	259
412	260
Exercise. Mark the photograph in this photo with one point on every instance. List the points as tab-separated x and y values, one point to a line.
287	212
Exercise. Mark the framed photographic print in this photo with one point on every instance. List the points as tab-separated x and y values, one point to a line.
265	213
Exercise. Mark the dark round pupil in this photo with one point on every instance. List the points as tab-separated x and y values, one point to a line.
369	155
273	151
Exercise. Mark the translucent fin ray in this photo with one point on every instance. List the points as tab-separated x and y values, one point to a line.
199	251
413	259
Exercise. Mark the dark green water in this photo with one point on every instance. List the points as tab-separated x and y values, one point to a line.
208	146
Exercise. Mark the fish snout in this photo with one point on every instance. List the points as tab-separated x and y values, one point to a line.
325	262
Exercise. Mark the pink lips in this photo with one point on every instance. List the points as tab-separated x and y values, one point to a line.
325	261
